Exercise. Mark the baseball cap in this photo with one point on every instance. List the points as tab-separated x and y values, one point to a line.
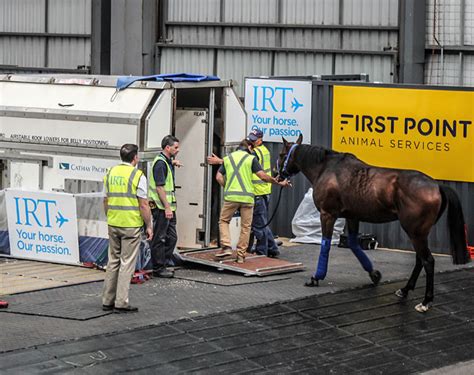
254	135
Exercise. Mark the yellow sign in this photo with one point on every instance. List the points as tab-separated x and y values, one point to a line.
431	131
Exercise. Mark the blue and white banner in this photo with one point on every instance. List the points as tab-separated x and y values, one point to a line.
42	226
279	108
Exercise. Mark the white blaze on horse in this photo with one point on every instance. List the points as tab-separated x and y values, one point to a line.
344	186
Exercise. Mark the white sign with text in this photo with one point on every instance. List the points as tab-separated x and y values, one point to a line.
279	108
42	226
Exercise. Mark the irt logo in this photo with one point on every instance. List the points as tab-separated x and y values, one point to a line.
274	98
31	211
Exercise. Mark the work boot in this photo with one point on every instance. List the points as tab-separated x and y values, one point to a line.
226	251
274	253
240	260
126	309
164	273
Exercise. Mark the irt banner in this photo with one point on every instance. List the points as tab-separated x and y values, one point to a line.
279	108
42	226
427	130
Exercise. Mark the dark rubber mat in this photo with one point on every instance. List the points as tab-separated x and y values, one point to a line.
77	309
364	331
223	278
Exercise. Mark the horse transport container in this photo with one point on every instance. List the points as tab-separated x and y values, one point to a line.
425	128
61	133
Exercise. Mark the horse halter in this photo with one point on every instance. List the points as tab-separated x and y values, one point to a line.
284	173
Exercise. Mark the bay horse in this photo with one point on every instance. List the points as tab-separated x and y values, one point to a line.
346	187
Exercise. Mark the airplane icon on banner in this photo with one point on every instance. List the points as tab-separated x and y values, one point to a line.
61	219
295	104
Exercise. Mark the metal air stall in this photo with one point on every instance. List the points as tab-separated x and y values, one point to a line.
61	133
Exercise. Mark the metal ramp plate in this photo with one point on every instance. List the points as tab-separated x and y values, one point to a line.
255	265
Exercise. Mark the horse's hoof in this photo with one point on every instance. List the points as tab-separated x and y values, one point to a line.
311	283
422	308
375	276
400	293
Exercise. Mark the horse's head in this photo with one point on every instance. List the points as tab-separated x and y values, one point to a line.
286	167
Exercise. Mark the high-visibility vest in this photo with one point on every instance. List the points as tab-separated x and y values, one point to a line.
263	156
238	182
169	186
121	183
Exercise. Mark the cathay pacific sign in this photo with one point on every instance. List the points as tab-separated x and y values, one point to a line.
278	108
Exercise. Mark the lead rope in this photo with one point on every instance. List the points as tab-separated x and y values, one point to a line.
274	211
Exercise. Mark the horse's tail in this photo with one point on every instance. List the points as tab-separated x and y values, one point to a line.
457	233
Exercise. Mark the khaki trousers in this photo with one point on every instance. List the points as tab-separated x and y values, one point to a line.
124	244
246	213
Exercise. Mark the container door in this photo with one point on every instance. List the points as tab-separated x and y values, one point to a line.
24	174
191	128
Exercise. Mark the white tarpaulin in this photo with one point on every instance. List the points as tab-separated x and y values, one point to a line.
306	224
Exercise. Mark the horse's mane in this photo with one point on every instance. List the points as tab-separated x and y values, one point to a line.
310	155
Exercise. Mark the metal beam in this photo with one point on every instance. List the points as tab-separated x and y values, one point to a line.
277	49
44	35
412	21
450	50
283	26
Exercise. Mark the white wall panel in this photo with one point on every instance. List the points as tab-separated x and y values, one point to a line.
253	37
306	64
445	70
239	64
468	73
184	60
21	51
22	15
194	10
369	41
469	23
317	39
370	12
194	34
69	53
310	12
251	11
443	22
379	68
69	16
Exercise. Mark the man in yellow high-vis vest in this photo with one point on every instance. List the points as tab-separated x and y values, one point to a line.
235	175
127	209
163	206
266	244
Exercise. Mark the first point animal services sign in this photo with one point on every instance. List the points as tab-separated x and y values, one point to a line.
428	130
42	226
279	108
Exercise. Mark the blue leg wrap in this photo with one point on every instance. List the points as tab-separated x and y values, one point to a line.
323	259
359	253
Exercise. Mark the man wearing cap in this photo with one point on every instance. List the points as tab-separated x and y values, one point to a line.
266	244
236	175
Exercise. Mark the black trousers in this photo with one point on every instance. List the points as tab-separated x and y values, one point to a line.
164	239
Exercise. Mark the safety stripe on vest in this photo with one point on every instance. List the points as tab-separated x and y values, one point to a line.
239	193
239	178
123	208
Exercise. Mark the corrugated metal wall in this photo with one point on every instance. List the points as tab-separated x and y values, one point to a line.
239	38
45	35
449	42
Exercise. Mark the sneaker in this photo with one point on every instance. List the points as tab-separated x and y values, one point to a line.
126	309
107	307
224	252
164	273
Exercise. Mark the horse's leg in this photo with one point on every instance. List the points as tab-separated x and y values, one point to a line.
327	226
427	260
353	242
403	292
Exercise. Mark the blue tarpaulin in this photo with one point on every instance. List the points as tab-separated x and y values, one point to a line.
124	82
